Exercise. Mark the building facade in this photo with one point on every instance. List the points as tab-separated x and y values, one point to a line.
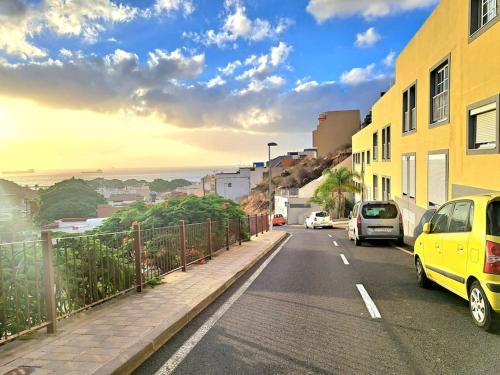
233	186
334	131
435	134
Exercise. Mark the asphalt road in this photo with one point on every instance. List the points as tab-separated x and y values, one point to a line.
305	315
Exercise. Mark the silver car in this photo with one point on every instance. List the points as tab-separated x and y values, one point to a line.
376	220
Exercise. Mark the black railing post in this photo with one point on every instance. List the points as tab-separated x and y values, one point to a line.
136	229
182	244
209	239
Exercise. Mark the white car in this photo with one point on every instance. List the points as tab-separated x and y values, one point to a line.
318	219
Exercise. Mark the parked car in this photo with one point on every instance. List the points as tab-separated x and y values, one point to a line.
318	219
278	219
459	249
375	220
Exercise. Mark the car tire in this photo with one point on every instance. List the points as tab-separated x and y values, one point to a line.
400	241
422	279
357	241
480	308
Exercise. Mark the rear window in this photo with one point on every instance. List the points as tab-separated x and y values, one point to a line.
321	214
493	219
379	211
278	215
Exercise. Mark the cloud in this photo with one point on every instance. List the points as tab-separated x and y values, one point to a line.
305	85
257	85
367	38
237	25
357	76
216	81
186	7
323	10
389	59
229	69
265	64
19	23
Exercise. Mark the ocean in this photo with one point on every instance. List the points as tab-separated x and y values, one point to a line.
50	177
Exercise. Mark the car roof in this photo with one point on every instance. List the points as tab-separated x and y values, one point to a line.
378	202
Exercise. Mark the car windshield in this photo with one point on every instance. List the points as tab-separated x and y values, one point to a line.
379	211
321	214
493	219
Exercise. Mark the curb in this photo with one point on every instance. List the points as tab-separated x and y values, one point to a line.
134	356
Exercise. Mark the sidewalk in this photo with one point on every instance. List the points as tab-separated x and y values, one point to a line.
119	335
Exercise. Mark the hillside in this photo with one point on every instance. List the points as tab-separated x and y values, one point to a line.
158	185
291	178
12	194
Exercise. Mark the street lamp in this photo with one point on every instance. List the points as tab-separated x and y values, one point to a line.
269	145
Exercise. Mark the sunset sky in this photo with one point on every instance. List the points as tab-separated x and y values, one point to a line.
162	83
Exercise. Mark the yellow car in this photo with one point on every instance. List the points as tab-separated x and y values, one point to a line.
459	249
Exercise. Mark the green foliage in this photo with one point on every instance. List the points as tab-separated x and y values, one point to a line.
14	195
191	209
161	186
330	194
69	198
157	185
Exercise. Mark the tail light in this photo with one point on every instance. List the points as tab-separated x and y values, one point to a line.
492	259
401	227
315	218
358	222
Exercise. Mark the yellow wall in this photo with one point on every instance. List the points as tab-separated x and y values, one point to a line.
474	76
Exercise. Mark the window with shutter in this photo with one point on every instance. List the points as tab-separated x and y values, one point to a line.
411	177
437	184
483	126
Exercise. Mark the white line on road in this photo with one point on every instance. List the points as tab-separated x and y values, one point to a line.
335	243
344	259
181	353
330	235
370	305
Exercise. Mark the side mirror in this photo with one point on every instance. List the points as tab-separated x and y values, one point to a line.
427	228
350	215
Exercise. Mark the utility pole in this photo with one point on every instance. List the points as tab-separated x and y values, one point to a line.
269	194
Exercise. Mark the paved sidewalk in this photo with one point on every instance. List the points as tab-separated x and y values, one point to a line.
119	335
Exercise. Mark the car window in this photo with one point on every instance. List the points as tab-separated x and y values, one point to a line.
439	222
493	219
461	218
321	214
379	211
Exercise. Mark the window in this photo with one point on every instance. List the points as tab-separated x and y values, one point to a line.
375	187
386	188
410	109
379	211
482	12
461	218
483	126
375	146
440	221
368	157
440	98
386	143
408	176
363	161
437	179
321	214
493	219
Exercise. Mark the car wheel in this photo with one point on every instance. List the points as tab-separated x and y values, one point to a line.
400	241
357	241
479	306
422	279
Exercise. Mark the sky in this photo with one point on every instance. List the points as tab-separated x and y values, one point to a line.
169	83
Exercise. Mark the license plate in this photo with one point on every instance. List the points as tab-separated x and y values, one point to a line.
385	230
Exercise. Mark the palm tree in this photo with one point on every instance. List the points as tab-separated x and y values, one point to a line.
330	194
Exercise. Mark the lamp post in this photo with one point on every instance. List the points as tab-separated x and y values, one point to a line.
269	196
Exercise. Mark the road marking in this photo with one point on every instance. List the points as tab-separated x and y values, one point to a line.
403	250
330	235
181	353
335	243
344	259
370	305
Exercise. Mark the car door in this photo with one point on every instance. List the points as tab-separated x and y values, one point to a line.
433	242
455	246
352	220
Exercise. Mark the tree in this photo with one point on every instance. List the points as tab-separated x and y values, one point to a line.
69	198
330	194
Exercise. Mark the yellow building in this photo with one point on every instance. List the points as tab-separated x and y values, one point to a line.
435	134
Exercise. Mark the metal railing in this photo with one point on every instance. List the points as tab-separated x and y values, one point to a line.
47	280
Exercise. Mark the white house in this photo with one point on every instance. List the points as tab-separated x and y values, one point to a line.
233	185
